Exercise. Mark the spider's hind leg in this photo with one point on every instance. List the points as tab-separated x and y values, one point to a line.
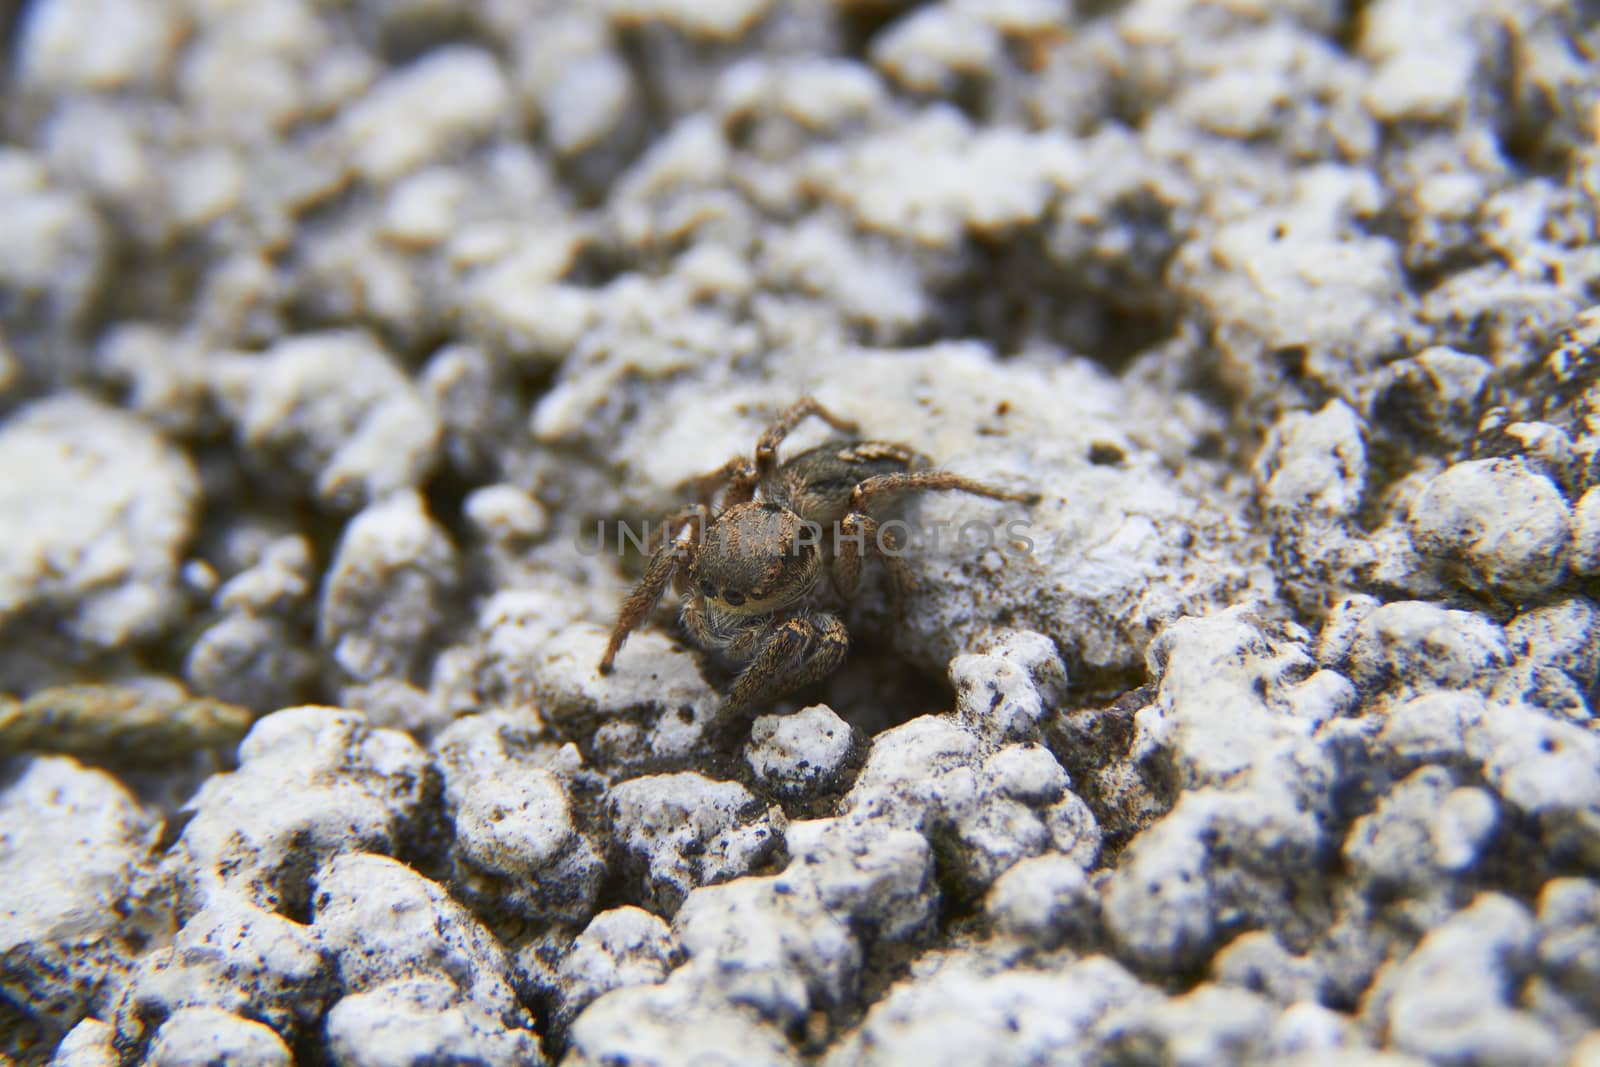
861	535
875	490
767	446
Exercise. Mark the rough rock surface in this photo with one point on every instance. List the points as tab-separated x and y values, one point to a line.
346	349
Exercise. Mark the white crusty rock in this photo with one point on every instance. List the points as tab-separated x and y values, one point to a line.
1558	657
1545	767
1434	394
655	711
385	592
568	73
202	1037
237	958
675	190
876	287
1311	478
164	374
1025	807
267	67
710	20
418	1021
494	667
90	45
1160	905
1045	901
1454	998
254	662
674	832
865	873
1234	717
504	516
768	943
72	844
96	512
1303	283
933	49
1237	704
1426	58
329	415
783	946
1569	938
1428	729
650	672
89	1044
964	1013
1564	635
1586	533
516	844
910	768
312	782
383	922
391	704
1495	525
674	1025
1314	465
417	114
1410	646
1257	961
1006	692
800	755
1419	843
1208	1024
501	743
624	946
930	775
934	180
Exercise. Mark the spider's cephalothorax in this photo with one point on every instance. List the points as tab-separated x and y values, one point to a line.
749	572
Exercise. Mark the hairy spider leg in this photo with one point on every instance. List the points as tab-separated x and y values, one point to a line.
795	653
673	556
767	446
860	530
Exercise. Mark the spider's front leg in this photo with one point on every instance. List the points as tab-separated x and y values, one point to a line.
793	653
736	479
860	536
672	556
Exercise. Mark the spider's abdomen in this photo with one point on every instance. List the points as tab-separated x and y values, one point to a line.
818	482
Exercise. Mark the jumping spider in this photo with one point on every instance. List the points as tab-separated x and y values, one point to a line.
749	573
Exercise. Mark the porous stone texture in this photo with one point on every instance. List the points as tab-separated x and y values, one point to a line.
74	844
421	978
193	1037
312	783
674	832
621	947
802	754
346	350
99	510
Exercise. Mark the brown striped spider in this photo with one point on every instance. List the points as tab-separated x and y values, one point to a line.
749	573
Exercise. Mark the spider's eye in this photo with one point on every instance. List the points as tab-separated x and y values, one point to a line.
708	589
733	598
